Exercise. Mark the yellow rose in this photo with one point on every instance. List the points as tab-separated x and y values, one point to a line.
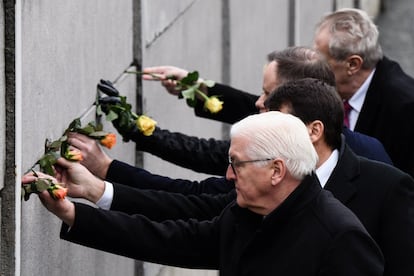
213	104
146	125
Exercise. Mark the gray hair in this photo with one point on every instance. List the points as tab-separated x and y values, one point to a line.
298	62
277	135
352	32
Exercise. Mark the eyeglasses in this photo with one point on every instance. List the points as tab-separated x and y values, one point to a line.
234	164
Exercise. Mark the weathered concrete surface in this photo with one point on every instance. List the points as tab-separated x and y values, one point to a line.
396	26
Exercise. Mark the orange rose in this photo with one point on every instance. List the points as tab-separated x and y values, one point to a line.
57	191
109	140
73	155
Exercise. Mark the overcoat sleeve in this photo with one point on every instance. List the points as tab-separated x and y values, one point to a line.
396	237
123	173
160	205
187	244
237	104
198	154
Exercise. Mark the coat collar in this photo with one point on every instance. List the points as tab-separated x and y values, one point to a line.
308	189
342	180
375	95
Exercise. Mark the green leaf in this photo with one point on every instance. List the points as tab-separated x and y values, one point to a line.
190	79
42	184
25	195
99	127
75	124
87	129
55	145
47	161
189	93
111	116
99	111
98	134
64	148
209	83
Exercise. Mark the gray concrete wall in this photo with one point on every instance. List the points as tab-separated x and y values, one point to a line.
2	110
186	34
396	27
66	47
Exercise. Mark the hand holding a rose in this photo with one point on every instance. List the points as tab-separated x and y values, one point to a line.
62	208
79	181
76	179
93	157
168	75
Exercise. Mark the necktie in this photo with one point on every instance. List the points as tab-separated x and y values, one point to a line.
347	110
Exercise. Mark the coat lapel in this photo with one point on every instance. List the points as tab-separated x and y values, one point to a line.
373	100
342	180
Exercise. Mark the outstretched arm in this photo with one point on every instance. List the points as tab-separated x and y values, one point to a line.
160	205
190	244
101	165
201	155
237	104
123	173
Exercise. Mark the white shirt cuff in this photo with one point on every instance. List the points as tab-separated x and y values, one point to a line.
105	201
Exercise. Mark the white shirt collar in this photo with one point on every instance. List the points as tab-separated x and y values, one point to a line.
325	170
357	100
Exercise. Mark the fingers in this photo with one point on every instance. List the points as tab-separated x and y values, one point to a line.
74	137
154	77
31	176
66	164
86	145
63	209
163	73
28	178
155	73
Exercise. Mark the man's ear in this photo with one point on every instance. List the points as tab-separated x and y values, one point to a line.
279	171
354	64
315	130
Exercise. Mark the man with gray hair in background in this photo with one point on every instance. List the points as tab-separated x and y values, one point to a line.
378	96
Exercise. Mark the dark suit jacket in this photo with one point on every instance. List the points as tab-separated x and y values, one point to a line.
310	233
380	195
388	113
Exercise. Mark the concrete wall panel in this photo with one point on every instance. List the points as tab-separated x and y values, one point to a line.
188	35
256	30
2	97
67	47
191	39
307	14
2	107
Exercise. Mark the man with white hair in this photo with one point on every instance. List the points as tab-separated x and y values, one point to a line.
282	221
